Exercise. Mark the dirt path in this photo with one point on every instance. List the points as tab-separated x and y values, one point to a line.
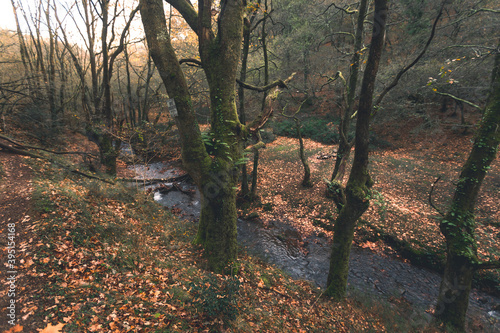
15	232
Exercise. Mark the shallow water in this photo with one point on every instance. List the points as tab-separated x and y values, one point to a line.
308	258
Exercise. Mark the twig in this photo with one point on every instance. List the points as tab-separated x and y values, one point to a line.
278	83
404	70
155	180
30	154
316	301
430	197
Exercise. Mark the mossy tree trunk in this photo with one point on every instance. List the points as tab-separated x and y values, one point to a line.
358	186
345	145
458	225
215	174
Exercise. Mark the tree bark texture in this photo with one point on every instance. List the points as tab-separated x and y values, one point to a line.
458	225
216	174
360	182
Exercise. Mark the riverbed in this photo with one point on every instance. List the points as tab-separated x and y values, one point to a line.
277	242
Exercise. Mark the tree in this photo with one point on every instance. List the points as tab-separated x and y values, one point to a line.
306	181
345	145
214	170
458	224
358	186
97	101
249	26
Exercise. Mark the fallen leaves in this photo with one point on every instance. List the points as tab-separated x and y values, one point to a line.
53	328
14	329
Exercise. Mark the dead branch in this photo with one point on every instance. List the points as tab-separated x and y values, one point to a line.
191	62
69	168
22	146
257	146
459	99
266	113
430	197
153	181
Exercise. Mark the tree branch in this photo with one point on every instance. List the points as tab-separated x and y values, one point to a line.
430	197
30	154
278	83
187	11
257	146
191	62
23	146
153	181
404	70
265	114
460	100
121	46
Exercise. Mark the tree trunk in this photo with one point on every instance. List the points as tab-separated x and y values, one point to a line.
356	205
241	97
336	188
458	225
306	181
360	182
215	176
263	39
217	227
255	174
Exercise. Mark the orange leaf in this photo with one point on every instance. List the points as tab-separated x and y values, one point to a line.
13	329
53	329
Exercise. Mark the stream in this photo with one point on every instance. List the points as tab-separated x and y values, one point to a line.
307	258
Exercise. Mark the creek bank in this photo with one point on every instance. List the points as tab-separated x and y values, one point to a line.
307	258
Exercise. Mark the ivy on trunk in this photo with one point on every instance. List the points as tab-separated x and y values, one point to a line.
458	224
214	173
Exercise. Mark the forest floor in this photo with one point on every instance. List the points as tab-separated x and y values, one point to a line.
400	220
100	258
95	257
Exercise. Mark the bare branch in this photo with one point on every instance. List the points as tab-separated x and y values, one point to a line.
460	100
190	62
187	11
278	83
404	70
19	145
430	197
69	168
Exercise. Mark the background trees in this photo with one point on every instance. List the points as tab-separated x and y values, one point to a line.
84	66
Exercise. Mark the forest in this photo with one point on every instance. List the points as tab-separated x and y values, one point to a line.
250	166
